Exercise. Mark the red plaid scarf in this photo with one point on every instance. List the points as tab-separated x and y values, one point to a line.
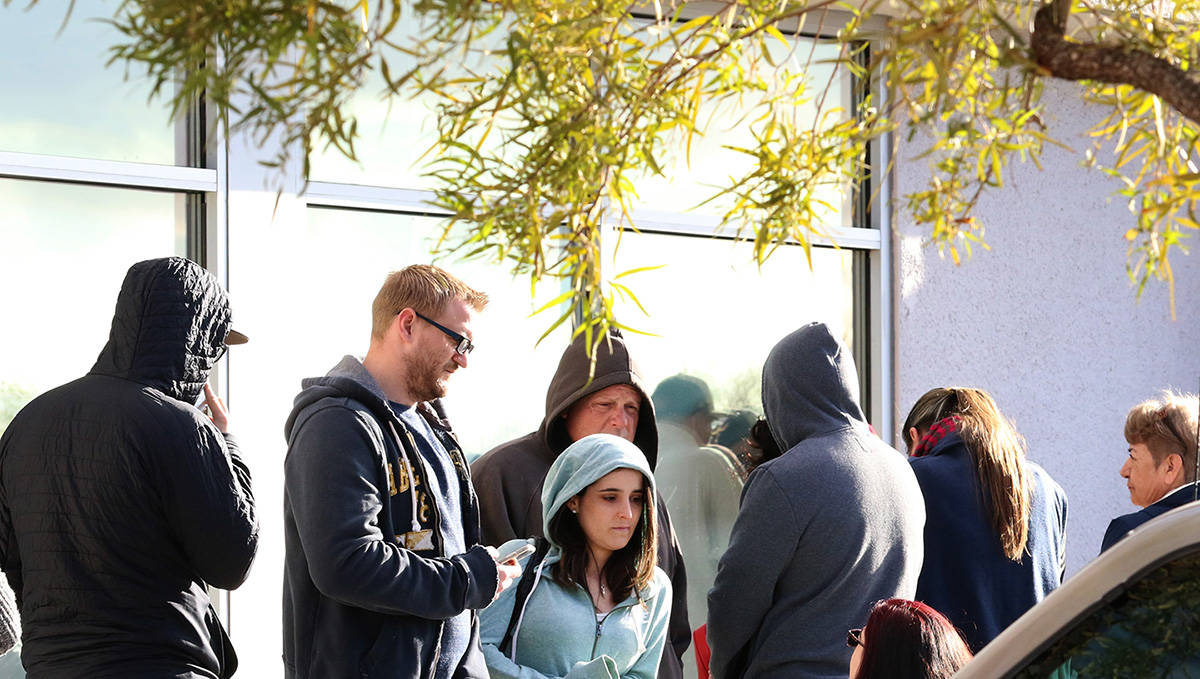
940	430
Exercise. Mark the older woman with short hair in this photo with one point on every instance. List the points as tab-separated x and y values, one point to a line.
1161	465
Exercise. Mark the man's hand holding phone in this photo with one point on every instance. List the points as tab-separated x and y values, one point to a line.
508	570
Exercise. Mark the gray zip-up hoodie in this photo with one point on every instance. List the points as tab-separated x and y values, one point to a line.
824	531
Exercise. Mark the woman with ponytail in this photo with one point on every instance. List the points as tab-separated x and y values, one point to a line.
995	527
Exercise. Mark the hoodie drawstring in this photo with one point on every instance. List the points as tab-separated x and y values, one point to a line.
537	577
412	482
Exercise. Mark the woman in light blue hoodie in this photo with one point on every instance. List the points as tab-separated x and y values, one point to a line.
599	605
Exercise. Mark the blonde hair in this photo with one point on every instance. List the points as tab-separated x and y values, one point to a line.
424	288
999	453
1167	425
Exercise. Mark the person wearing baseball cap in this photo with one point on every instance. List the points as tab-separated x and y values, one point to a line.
123	502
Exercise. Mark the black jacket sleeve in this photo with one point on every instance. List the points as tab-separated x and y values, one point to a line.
331	474
679	631
209	505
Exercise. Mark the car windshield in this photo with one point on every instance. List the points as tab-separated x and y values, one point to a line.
1149	630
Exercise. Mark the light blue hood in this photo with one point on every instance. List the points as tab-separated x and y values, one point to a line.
557	633
585	462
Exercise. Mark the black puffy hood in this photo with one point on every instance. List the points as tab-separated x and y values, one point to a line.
168	329
809	386
570	383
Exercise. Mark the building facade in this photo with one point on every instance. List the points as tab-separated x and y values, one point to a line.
93	177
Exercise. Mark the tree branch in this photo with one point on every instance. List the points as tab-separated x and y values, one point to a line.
1117	65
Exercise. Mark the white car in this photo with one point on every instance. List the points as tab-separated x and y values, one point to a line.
1132	612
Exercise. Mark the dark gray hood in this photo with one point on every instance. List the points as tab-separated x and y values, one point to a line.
809	386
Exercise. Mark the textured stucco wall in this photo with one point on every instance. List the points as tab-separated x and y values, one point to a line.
1047	320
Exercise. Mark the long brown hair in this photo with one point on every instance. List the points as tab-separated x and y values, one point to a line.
629	569
998	451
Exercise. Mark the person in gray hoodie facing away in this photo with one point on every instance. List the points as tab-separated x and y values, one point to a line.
823	532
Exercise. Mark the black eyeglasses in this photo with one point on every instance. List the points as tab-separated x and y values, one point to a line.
854	637
462	345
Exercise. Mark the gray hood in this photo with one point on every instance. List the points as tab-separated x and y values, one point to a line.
585	462
809	386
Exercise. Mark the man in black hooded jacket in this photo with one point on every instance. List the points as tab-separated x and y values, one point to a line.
120	503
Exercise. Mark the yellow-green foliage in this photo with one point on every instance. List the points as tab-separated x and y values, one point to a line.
551	109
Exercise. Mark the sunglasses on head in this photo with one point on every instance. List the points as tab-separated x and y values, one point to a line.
854	637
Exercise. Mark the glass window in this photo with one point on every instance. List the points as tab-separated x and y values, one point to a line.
691	178
66	250
60	99
1147	631
10	664
715	316
393	136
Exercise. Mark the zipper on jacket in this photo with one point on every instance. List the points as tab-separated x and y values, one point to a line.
601	621
437	518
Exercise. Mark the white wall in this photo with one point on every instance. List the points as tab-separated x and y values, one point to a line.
1047	320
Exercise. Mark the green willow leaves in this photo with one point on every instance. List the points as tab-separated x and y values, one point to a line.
551	111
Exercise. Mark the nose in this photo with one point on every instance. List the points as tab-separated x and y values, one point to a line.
460	359
625	510
1125	470
622	421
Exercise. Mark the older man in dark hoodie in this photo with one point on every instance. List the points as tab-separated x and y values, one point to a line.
120	503
509	478
823	531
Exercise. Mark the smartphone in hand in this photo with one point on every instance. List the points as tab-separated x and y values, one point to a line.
515	553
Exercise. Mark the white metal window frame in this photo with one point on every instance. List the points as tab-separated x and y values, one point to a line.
106	172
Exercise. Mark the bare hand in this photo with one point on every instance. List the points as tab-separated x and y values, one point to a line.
214	407
507	573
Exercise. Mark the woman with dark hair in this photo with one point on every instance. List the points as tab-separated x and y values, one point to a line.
995	526
592	603
906	640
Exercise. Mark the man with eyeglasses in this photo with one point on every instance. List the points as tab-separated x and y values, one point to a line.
384	570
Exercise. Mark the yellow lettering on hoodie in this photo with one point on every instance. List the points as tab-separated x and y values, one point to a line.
391	480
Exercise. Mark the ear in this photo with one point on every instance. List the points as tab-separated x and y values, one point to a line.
1173	464
403	322
573	504
912	437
